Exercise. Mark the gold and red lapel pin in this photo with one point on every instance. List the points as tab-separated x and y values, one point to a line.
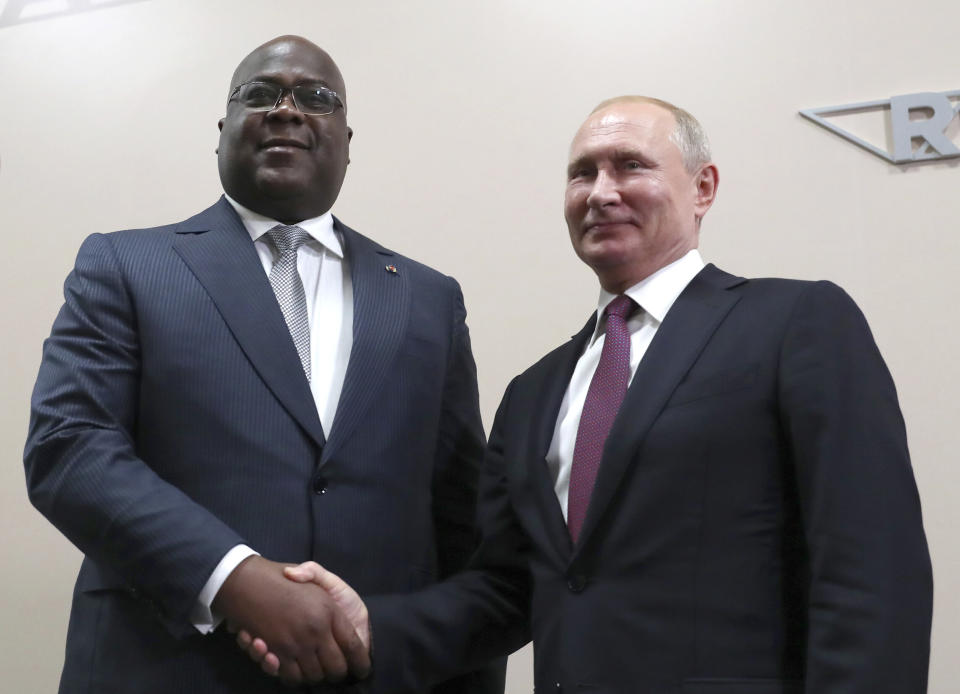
391	268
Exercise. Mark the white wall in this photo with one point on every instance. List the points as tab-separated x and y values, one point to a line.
463	113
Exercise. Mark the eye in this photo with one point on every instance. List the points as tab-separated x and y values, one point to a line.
581	172
316	98
259	94
633	165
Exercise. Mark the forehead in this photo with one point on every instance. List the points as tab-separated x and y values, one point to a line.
289	63
637	127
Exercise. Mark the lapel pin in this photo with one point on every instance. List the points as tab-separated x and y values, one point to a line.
391	268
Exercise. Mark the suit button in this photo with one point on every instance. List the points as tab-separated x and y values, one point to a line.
577	583
319	485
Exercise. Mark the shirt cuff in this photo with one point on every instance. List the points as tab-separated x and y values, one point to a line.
201	616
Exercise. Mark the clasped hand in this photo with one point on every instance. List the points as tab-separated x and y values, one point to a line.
301	623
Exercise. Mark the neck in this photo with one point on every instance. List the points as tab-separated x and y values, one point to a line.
618	279
287	211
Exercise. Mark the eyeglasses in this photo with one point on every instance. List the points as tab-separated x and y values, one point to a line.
310	99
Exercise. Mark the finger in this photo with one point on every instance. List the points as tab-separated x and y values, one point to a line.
303	573
354	651
311	667
270	664
332	659
258	649
244	639
290	674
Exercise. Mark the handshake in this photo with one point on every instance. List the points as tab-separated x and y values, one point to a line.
302	623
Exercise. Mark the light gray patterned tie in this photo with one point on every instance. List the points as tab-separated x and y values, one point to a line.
287	285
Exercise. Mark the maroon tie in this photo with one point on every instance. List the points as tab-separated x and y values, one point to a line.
607	389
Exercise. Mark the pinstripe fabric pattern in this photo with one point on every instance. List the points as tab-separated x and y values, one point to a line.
171	420
381	313
607	390
287	285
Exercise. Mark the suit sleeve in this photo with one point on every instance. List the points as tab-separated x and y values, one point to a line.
473	616
460	446
870	588
459	452
82	465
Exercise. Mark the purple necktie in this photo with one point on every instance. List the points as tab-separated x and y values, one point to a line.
607	389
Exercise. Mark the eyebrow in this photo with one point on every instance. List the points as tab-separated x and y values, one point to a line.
272	79
622	153
619	154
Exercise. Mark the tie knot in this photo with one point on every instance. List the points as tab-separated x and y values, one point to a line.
620	307
287	238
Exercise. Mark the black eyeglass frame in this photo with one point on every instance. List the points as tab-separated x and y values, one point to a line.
337	101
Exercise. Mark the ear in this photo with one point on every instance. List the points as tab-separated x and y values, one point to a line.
220	124
706	181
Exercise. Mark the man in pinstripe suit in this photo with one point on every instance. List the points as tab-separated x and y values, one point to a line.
199	420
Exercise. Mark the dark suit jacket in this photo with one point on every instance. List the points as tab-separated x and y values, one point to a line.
171	420
754	529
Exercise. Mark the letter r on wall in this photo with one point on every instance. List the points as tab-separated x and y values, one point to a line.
930	130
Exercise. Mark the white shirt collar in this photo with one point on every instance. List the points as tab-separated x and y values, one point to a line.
655	294
320	228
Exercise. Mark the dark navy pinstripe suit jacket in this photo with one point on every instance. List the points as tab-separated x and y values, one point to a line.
171	420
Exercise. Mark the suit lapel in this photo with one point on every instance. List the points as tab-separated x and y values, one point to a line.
547	396
217	248
684	333
381	309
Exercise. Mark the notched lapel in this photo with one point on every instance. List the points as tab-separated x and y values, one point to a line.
544	405
685	331
217	248
381	310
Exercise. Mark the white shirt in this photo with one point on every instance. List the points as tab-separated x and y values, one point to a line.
654	295
329	294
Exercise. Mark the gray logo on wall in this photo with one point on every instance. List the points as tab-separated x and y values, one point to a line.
20	11
918	125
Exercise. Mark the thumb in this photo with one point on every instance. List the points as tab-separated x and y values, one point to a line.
328	580
307	572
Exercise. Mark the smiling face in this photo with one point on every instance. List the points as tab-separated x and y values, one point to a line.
282	163
630	204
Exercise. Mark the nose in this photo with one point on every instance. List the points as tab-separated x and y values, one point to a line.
286	108
604	191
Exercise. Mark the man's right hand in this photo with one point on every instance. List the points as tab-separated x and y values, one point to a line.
341	592
311	636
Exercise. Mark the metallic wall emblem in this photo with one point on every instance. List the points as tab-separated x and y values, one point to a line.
20	11
918	125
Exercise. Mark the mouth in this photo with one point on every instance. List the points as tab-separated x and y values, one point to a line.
282	144
602	225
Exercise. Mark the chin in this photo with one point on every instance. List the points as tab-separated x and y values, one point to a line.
281	184
605	253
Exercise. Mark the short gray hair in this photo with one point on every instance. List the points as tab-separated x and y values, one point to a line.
688	136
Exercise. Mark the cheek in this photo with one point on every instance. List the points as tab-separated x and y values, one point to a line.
648	200
574	204
233	142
